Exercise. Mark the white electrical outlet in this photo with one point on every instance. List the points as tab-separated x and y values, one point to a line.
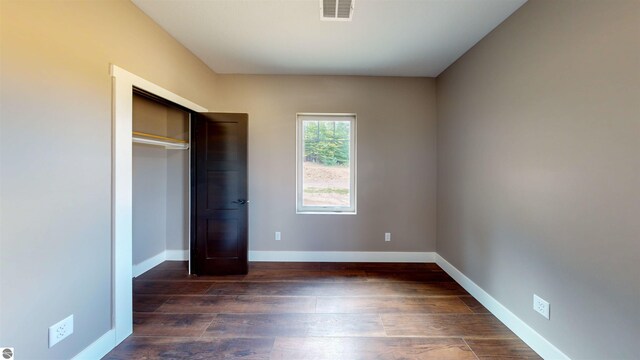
541	306
278	237
60	330
387	236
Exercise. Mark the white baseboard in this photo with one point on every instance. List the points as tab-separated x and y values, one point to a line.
98	348
177	255
342	256
538	343
150	263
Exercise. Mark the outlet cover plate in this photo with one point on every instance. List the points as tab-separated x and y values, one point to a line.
60	330
541	306
387	236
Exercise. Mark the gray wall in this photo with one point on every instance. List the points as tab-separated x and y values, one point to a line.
177	195
177	226
55	155
539	170
396	160
149	201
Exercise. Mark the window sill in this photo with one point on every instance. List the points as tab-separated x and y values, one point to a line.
298	212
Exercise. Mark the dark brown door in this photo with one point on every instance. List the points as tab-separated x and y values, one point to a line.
219	194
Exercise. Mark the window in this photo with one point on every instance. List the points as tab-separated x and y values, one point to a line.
326	167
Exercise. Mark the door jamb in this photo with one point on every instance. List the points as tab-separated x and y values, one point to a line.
121	201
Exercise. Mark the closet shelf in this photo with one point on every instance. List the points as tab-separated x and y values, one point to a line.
167	142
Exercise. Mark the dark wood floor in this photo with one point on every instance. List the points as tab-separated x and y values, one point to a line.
332	311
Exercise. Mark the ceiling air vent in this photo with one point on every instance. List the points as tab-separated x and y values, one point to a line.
336	10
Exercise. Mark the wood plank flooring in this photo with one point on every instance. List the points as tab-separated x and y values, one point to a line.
296	311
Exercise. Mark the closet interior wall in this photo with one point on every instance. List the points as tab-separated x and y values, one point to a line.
160	184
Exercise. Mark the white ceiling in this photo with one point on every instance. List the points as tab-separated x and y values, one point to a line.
385	37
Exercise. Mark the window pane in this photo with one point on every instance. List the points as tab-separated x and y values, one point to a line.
326	160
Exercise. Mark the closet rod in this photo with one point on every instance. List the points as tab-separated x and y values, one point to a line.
159	137
174	144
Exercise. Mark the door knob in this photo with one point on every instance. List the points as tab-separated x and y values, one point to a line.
241	201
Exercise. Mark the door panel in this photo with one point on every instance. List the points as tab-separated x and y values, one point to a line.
219	158
222	190
221	238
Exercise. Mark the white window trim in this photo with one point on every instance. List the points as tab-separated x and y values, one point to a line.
324	210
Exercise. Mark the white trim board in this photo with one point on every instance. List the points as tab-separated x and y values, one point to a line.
148	264
536	341
342	256
98	348
122	189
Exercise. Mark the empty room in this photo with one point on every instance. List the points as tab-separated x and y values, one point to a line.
319	179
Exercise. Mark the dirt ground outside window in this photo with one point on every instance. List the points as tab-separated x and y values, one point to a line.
325	185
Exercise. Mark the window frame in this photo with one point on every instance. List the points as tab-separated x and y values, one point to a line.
340	210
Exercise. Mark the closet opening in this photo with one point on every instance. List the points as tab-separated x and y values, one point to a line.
161	169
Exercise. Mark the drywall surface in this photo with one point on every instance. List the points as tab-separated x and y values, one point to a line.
55	155
539	170
177	195
149	201
396	160
177	226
